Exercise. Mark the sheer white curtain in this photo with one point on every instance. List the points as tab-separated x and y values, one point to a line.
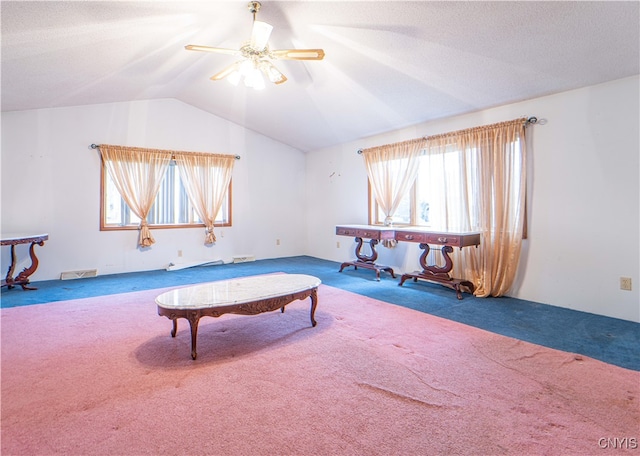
137	174
392	170
481	177
206	178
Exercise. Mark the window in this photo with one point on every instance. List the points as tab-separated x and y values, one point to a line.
171	209
436	198
402	216
468	180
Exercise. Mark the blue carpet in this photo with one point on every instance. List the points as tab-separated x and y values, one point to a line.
610	340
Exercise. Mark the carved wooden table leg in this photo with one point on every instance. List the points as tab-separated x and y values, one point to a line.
438	274
194	319
23	277
314	304
368	261
12	267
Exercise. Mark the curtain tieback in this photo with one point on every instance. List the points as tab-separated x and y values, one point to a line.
210	238
146	239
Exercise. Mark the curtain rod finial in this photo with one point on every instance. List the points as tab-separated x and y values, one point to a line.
94	146
535	121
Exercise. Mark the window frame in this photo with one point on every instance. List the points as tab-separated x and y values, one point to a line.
110	227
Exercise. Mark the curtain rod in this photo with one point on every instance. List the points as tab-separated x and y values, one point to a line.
96	146
531	120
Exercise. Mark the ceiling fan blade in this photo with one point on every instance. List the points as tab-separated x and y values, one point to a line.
195	47
260	34
226	72
298	54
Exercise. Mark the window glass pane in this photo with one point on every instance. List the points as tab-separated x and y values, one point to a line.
402	215
429	191
113	202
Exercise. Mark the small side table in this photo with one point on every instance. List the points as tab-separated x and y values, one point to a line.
23	278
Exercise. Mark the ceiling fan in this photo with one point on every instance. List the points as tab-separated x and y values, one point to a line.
257	57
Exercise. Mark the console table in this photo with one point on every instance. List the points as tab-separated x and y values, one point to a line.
23	278
431	273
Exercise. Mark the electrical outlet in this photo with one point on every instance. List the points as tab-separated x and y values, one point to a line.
338	244
179	253
625	283
277	241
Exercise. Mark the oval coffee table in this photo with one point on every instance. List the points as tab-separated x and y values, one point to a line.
245	296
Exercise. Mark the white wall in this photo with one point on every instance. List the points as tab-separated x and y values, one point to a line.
584	199
51	183
583	177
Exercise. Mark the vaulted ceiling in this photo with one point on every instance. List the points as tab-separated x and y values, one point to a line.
388	64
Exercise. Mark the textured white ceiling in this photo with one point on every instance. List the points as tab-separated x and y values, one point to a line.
388	64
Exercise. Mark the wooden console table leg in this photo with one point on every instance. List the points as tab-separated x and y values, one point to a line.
368	261
438	274
23	277
12	267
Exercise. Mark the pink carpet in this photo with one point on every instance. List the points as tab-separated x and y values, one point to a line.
102	376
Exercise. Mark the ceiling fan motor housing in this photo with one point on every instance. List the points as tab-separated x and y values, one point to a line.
254	7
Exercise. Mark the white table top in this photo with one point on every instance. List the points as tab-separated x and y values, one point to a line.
236	291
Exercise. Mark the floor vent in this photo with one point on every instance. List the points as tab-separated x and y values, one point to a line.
243	258
69	275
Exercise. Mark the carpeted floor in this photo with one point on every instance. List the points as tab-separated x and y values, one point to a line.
102	376
611	340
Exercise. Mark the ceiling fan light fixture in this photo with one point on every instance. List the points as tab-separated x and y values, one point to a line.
274	75
251	71
246	67
254	80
